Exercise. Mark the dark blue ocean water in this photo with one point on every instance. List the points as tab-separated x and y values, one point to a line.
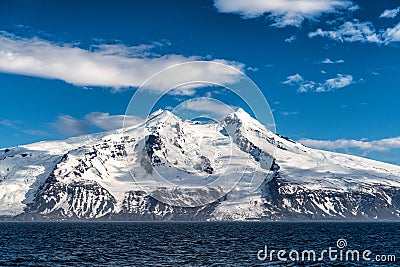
191	244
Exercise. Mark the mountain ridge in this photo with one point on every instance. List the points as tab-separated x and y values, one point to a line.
117	175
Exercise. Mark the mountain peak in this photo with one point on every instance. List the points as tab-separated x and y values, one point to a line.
240	110
242	114
160	112
161	116
243	118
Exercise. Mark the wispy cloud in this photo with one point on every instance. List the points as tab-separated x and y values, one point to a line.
283	12
289	113
10	124
329	61
115	66
207	106
68	125
340	81
254	69
363	32
291	39
106	121
390	13
37	132
375	145
18	126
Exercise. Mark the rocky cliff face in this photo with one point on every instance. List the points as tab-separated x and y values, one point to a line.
121	175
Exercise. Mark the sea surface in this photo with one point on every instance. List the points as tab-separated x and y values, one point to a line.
196	244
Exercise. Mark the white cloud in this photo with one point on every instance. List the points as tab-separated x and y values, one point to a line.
391	34
115	66
254	69
294	79
336	83
291	39
68	125
390	13
340	81
329	61
307	86
354	8
106	121
375	145
363	32
350	31
283	12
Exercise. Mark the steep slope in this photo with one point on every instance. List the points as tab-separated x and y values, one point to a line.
170	169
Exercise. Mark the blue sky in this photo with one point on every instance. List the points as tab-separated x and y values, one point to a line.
329	68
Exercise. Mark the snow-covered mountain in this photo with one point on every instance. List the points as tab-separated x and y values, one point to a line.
123	174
